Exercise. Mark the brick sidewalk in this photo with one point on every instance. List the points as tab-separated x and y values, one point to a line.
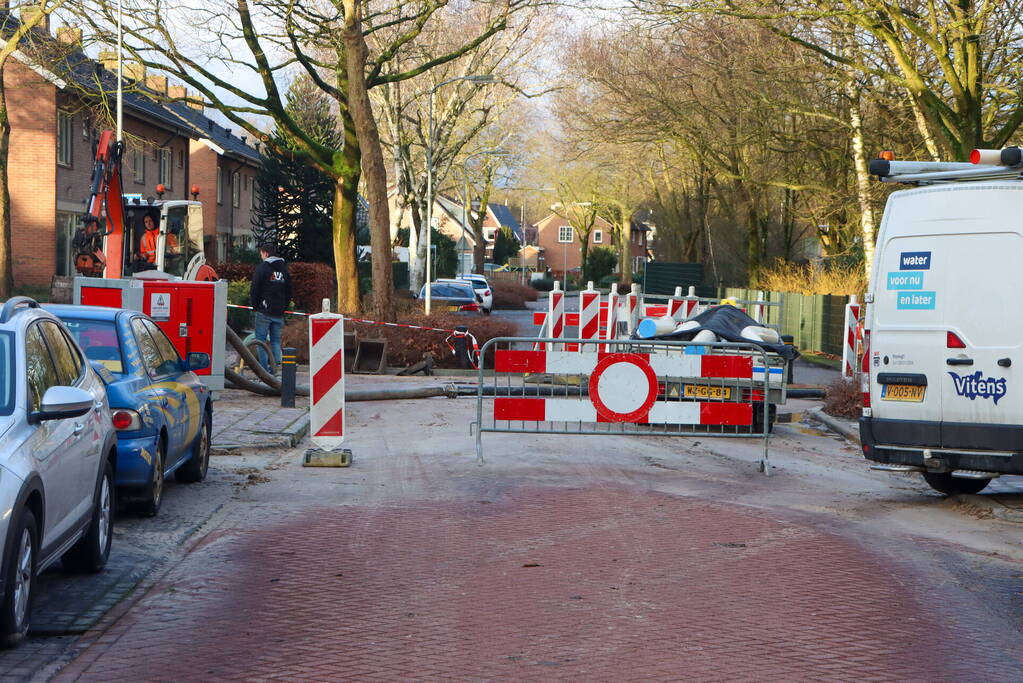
244	420
598	583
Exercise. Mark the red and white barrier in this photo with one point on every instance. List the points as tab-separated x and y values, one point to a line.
676	306
556	314
632	305
853	334
623	387
589	313
327	379
613	302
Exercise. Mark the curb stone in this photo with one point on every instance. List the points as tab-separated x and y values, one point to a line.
834	424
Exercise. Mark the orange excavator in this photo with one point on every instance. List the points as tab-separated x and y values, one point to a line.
113	242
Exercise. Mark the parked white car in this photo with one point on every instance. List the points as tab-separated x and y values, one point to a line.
57	453
482	288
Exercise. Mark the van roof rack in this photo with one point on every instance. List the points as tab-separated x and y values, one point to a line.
984	164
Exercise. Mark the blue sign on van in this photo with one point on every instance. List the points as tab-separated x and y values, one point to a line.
915	260
920	301
901	279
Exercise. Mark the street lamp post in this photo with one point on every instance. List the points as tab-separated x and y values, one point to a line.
429	174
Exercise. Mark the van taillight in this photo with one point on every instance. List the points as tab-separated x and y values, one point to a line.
865	369
953	341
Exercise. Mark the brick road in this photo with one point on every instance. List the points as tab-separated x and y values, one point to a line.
536	582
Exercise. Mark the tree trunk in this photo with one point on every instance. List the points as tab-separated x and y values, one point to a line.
346	197
361	110
862	180
418	275
6	251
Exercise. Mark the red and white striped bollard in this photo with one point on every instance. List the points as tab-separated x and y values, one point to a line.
327	385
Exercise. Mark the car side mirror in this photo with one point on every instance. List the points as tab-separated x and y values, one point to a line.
60	403
197	361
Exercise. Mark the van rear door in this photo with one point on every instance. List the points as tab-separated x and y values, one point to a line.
907	342
980	305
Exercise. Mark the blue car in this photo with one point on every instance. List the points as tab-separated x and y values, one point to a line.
162	412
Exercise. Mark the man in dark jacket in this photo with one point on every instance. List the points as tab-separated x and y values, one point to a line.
270	295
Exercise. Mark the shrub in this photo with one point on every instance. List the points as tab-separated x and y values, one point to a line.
233	271
525	291
239	319
600	263
544	284
843	398
814	278
406	346
311	283
508	301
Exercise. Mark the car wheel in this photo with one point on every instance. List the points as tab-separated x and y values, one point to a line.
195	468
16	610
90	554
944	482
152	496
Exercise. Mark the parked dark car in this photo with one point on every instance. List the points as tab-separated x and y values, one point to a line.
453	296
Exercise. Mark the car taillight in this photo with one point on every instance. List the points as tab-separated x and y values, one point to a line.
865	371
470	307
126	420
953	341
486	292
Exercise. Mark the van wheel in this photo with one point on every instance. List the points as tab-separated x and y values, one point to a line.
944	482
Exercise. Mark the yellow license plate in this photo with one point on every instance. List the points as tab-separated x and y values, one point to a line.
902	392
697	391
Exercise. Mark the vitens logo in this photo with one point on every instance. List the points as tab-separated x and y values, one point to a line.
974	386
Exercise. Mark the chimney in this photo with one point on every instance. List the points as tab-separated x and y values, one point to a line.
69	35
157	84
31	13
180	92
133	71
108	58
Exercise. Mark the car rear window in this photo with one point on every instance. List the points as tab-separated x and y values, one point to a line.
451	291
98	339
6	373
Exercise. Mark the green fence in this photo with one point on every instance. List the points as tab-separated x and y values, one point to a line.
815	321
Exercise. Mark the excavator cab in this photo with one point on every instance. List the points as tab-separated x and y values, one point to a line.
178	241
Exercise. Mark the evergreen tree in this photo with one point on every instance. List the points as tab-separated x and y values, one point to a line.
294	201
505	245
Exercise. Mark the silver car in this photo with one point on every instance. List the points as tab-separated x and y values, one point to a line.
58	448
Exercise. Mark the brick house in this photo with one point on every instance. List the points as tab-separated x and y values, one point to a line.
53	131
560	248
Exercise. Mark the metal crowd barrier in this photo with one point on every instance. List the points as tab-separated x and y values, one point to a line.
628	387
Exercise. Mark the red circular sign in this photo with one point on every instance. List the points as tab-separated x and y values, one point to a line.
607	362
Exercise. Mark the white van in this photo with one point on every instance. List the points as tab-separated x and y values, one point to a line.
944	330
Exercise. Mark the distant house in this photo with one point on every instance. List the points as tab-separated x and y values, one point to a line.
500	216
447	218
561	250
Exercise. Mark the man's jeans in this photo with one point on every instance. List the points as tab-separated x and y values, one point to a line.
268	326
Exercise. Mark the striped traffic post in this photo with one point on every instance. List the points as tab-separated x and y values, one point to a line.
849	349
613	299
556	315
327	380
676	306
632	304
589	313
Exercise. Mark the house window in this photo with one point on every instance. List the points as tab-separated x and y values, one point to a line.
138	164
252	196
598	236
64	126
85	128
236	190
220	186
489	233
565	233
166	159
181	158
